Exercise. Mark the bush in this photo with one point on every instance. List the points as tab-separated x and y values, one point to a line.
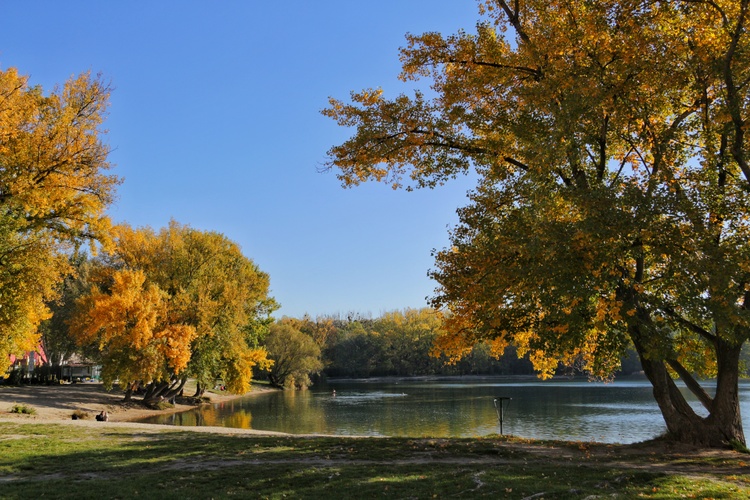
25	409
80	415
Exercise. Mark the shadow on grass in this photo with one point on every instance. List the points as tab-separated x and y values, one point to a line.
73	462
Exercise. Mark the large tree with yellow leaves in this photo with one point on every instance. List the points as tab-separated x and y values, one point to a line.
54	191
613	202
175	304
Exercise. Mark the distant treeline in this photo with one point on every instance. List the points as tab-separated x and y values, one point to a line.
400	344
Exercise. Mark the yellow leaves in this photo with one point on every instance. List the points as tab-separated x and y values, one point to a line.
560	329
129	324
543	363
523	340
573	303
57	155
609	309
172	297
239	372
698	357
174	343
54	194
498	345
453	345
369	97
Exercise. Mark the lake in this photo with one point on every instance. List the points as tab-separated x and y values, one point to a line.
623	411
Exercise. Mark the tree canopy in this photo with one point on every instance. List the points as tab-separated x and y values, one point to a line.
54	191
176	304
612	202
295	356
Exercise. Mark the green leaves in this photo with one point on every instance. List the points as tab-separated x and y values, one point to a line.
611	193
295	356
204	301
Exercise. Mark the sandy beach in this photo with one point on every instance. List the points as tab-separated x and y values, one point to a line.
56	404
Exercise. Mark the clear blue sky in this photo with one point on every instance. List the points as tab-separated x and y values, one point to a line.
215	121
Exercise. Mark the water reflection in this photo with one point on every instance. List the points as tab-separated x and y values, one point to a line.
622	412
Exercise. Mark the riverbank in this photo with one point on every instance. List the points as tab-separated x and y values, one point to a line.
55	403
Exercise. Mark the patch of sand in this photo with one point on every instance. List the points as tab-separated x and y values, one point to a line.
56	404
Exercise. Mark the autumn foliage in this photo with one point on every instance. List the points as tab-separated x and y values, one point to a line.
54	191
129	324
176	304
612	207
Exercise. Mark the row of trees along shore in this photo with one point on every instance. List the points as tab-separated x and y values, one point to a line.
398	344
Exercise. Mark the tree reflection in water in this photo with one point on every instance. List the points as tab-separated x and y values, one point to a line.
619	412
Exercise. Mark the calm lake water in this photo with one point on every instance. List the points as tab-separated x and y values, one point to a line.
619	412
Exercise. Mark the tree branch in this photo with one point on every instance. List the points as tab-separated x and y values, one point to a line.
689	324
733	98
517	163
691	383
536	73
513	17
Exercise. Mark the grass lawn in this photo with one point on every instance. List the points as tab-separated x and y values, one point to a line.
70	461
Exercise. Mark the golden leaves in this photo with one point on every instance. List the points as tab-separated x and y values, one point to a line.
58	159
239	371
173	297
129	324
53	194
609	141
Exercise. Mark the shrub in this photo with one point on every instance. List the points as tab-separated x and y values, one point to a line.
80	415
25	409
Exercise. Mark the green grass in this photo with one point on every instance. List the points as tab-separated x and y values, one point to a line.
69	461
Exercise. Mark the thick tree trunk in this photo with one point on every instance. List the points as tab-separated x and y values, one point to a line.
726	404
129	392
200	390
723	426
155	392
175	389
164	390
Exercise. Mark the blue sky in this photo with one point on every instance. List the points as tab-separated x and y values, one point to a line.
215	122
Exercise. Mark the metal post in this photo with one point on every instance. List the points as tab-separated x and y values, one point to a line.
500	409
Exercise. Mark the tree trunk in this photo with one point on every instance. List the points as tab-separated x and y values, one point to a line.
726	405
275	381
129	392
199	390
154	392
723	426
177	385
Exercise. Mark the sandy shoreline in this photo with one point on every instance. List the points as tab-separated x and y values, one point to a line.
56	404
